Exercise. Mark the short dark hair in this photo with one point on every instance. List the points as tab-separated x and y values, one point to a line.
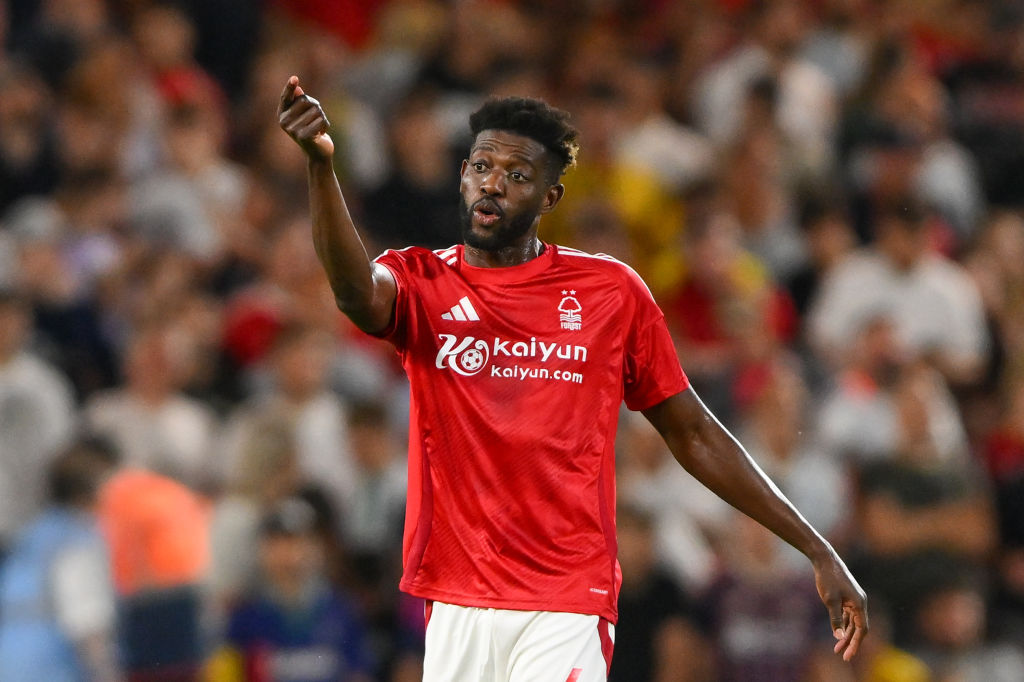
74	477
906	211
532	118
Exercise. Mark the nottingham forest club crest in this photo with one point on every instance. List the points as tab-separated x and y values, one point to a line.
569	311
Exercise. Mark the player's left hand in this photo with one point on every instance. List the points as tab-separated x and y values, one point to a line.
846	603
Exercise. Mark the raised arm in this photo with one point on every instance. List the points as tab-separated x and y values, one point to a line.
708	451
363	290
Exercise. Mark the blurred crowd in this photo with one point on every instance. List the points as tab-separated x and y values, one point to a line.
202	469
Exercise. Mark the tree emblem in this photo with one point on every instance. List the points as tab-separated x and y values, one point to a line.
570	311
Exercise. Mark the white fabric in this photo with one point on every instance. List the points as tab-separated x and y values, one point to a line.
683	511
321	439
495	645
678	156
949	180
234	543
174	439
862	426
814	481
375	508
36	420
806	112
83	595
935	305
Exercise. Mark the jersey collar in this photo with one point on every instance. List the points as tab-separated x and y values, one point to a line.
510	274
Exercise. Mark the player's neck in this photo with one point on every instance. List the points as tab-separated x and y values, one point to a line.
514	254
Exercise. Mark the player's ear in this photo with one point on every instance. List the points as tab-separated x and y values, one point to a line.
462	169
552	197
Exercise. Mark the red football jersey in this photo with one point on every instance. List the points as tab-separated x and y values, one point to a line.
517	374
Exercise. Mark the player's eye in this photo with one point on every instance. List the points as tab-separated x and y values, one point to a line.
479	166
517	176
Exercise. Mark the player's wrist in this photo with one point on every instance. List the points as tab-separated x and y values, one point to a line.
821	553
317	160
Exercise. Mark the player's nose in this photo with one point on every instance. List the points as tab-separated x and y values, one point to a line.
493	184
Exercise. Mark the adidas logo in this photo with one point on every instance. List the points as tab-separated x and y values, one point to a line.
462	311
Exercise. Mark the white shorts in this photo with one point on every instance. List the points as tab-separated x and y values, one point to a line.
468	644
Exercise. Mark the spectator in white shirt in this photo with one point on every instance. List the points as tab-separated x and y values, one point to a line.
152	423
298	363
933	303
36	418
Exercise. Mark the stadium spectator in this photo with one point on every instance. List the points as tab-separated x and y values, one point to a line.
774	423
919	512
28	154
299	393
687	521
100	99
372	519
158	533
829	238
153	425
949	631
840	42
294	625
659	639
996	264
727	312
934	305
857	419
36	418
678	156
759	613
805	109
419	146
57	605
754	180
267	473
908	151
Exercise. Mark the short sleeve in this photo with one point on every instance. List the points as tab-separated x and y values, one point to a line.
397	264
651	367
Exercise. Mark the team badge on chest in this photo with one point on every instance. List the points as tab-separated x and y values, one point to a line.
569	311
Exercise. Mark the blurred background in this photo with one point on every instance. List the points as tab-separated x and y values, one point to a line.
202	463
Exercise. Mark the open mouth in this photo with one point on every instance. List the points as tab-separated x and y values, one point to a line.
486	212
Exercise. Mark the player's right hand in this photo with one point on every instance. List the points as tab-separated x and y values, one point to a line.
304	120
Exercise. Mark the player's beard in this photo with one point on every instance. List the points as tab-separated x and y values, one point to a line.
508	232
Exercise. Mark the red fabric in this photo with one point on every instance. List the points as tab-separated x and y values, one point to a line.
350	20
511	498
1004	454
250	327
190	85
943	51
697	314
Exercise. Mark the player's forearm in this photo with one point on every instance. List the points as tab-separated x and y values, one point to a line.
340	250
720	463
709	452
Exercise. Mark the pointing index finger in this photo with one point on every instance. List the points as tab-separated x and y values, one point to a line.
288	95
